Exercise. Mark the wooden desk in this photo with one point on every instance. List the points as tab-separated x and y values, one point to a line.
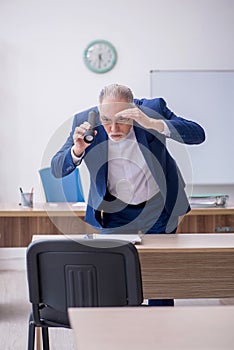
18	225
137	328
185	265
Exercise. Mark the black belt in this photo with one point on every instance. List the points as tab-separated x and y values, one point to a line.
109	198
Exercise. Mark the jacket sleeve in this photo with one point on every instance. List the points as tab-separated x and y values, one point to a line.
181	129
62	162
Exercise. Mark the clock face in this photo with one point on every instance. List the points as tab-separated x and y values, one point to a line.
100	56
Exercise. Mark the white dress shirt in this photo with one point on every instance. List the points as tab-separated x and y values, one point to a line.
129	177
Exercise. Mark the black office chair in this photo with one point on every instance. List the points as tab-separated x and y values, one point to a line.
83	273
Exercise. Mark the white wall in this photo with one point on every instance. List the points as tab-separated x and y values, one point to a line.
43	80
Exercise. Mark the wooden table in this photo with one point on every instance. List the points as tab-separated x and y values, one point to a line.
185	265
137	328
18	225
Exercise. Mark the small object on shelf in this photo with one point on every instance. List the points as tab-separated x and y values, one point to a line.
208	200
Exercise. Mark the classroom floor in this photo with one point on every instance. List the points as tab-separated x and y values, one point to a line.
15	308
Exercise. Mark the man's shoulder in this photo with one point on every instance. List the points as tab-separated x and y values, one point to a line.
154	108
154	103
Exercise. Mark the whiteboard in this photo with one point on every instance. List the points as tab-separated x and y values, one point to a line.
207	97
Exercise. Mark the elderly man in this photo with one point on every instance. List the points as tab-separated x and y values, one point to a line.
135	184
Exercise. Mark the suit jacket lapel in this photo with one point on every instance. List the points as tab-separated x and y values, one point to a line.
144	145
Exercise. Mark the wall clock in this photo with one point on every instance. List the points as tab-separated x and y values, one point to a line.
100	56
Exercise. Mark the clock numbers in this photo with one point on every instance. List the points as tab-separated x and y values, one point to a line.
100	56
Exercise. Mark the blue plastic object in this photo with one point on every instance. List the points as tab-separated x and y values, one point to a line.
66	189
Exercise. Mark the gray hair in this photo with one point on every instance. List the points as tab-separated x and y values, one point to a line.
116	91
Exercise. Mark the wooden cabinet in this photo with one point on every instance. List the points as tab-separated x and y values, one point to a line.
208	220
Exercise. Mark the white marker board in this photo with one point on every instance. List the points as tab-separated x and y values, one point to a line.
206	97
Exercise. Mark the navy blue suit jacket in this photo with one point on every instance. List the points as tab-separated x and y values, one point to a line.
153	146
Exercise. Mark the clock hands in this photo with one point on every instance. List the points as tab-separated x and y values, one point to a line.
100	56
99	60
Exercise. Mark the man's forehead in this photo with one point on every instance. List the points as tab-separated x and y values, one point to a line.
114	107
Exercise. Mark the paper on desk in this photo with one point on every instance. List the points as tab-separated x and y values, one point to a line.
80	205
129	238
135	239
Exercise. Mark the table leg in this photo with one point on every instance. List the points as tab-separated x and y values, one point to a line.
38	338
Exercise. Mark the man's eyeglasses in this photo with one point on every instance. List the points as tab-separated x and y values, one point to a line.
120	120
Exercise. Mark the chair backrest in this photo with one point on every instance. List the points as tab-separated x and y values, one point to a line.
68	273
66	189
